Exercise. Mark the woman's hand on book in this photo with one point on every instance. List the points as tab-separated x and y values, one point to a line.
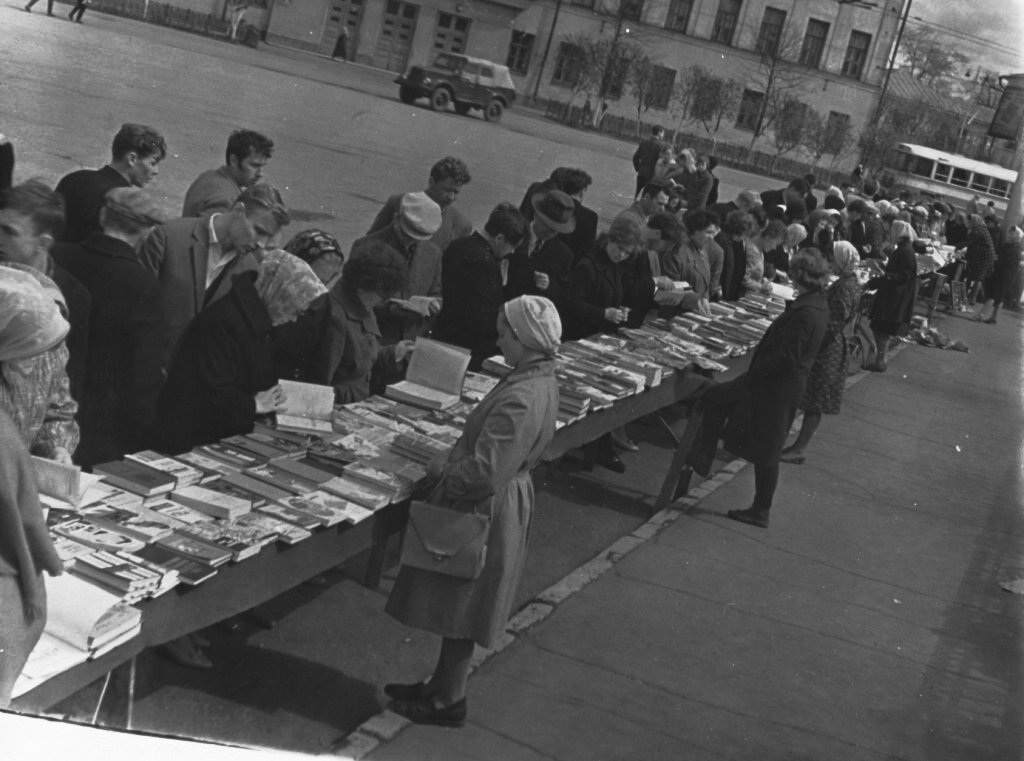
271	400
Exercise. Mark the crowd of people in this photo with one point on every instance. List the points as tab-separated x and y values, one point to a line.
121	329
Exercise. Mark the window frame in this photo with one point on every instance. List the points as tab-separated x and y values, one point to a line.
726	20
765	29
673	15
814	44
856	57
744	110
518	49
569	57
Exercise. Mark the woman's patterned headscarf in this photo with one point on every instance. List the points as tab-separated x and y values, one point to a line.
287	286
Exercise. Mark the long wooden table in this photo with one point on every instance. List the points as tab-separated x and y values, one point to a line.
238	587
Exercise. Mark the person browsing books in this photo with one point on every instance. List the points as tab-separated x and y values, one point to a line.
474	272
223	375
350	356
30	325
487	471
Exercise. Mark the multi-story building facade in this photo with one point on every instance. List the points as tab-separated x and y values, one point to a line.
836	50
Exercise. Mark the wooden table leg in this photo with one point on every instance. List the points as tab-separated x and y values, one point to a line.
677	479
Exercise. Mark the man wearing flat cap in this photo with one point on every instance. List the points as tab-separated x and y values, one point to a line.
543	267
866	231
419	218
122	368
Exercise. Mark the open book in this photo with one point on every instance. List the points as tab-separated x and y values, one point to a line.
63	485
83	621
307	407
419	305
434	378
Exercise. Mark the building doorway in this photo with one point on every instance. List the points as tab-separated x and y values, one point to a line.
396	35
342	14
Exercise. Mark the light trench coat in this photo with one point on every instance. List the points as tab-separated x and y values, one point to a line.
488	471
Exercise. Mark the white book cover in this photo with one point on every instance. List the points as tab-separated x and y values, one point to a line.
434	377
307	406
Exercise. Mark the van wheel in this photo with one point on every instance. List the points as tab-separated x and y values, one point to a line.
440	99
494	110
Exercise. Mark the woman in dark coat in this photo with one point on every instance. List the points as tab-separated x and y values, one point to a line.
755	410
223	375
896	289
824	393
487	471
998	285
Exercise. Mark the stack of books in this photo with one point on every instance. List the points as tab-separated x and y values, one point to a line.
183	473
212	502
326	509
118	573
419	448
137	477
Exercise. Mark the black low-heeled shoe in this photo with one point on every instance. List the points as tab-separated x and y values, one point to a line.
416	691
424	711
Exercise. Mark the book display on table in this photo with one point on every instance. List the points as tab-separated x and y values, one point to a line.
212	468
136	477
190	572
309	470
117	573
239	541
65	486
307	407
286	448
228	455
223	487
184	474
138	524
195	549
212	502
305	521
83	622
328	509
261	489
434	377
278	478
74	526
244	443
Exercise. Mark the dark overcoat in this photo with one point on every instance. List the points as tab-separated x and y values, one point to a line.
226	357
122	372
893	306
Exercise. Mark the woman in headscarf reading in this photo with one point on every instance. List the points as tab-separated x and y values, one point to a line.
487	471
30	325
223	375
824	393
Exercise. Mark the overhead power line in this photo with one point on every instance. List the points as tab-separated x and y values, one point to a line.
962	35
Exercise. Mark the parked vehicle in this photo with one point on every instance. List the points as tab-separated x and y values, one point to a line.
462	82
949	176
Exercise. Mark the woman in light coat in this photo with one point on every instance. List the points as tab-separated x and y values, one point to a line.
487	471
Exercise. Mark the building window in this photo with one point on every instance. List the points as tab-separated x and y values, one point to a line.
856	55
814	43
770	35
452	33
725	21
749	113
584	3
679	15
617	78
519	51
568	65
631	10
663	81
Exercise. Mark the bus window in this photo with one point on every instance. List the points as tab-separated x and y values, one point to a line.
961	177
980	182
921	166
1001	188
942	172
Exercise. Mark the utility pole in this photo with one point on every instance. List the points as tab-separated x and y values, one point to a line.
1014	93
547	48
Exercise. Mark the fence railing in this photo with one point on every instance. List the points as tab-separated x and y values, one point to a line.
165	14
728	154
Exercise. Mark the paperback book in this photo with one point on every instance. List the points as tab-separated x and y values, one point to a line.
213	503
307	407
434	377
136	477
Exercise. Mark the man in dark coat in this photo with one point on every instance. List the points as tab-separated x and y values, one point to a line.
447	178
581	240
122	372
135	154
194	259
544	269
866	231
646	157
410	234
795	191
472	282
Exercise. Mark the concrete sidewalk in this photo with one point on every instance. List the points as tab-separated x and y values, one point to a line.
866	623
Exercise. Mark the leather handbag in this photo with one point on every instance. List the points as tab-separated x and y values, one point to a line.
445	541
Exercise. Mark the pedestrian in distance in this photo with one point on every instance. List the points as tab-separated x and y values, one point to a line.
646	156
488	472
79	9
49	6
895	290
998	285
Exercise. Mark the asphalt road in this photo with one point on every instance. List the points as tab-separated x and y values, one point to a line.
343	141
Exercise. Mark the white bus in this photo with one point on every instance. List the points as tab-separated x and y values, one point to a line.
951	177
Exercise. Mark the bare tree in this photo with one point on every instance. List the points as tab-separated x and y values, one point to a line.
644	85
790	126
823	136
931	57
778	75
